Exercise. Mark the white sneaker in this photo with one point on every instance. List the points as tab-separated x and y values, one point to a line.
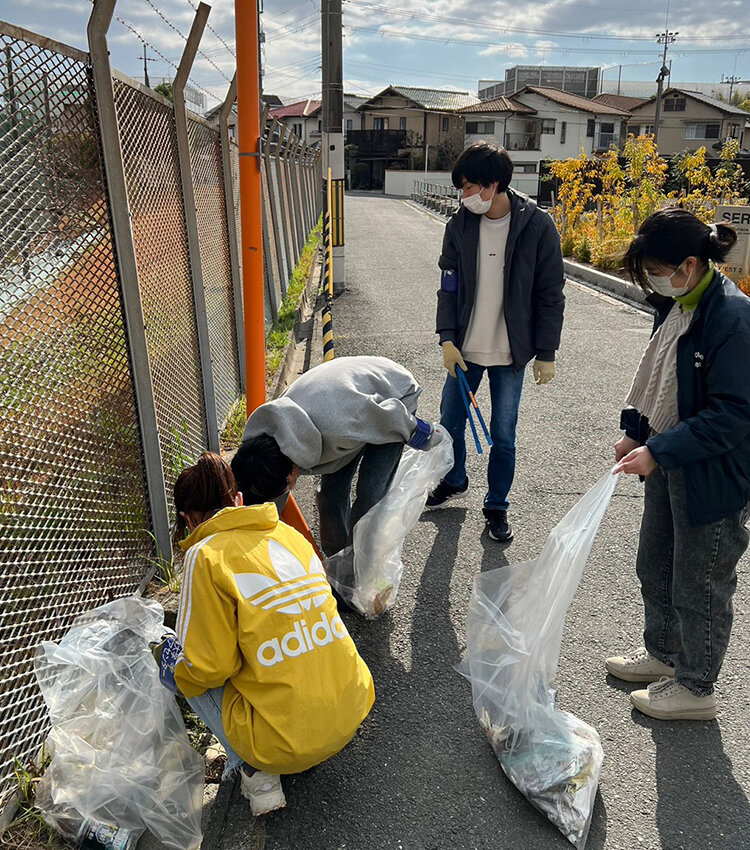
638	666
263	790
668	700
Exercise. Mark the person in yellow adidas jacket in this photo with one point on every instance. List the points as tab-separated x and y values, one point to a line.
261	637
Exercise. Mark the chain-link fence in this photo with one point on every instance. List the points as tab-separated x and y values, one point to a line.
77	503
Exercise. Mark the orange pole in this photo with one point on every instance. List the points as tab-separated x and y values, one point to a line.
251	249
251	220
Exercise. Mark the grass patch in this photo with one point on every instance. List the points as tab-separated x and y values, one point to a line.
28	831
277	337
231	437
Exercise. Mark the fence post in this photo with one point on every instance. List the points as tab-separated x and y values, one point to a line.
284	202
296	169
265	145
234	254
288	147
191	223
122	234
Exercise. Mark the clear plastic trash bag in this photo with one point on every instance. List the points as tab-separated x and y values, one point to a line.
120	752
367	574
513	636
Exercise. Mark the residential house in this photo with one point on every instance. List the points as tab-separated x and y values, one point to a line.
273	101
402	126
689	120
539	123
302	118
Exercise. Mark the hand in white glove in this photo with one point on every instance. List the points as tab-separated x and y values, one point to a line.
451	358
544	371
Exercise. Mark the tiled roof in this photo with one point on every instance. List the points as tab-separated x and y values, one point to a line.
619	101
500	104
574	101
712	101
300	109
437	99
354	101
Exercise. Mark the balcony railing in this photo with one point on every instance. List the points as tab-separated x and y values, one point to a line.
377	141
522	142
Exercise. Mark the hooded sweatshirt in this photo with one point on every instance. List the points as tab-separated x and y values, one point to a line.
329	414
256	614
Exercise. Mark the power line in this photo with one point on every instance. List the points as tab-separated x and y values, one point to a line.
506	28
564	50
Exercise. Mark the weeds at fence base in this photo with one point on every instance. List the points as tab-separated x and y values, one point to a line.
28	830
277	338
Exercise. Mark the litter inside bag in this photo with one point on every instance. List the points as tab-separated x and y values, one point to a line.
120	752
513	636
367	574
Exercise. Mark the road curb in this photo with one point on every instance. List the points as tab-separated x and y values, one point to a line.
608	283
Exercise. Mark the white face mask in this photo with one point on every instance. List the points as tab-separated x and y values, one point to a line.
476	204
663	284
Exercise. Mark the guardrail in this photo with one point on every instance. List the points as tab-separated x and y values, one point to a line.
442	199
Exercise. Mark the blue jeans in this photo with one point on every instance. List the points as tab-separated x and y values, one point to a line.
688	577
208	707
505	396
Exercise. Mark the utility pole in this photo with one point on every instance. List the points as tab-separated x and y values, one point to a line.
666	38
332	139
145	68
732	80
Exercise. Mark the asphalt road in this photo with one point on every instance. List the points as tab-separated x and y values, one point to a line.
419	775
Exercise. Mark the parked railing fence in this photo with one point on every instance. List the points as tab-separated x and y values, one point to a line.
102	369
442	199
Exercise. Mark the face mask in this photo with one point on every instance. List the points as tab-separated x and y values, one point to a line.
476	204
663	284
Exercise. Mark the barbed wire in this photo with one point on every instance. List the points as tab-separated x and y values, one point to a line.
227	47
184	38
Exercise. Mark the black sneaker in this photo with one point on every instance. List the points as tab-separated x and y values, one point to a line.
443	492
498	526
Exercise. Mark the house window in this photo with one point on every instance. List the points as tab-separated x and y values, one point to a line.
548	126
646	130
702	131
674	104
525	168
297	129
446	124
379	123
590	128
563	131
320	126
402	123
480	128
733	131
349	124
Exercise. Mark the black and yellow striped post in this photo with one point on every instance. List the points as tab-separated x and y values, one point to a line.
328	349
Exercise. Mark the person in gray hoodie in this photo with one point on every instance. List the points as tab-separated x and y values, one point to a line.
348	414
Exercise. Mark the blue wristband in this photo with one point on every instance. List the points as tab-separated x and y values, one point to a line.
421	435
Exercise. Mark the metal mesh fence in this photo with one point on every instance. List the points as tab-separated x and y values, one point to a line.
74	506
149	151
208	184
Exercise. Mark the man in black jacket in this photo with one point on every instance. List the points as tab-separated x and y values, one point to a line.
500	305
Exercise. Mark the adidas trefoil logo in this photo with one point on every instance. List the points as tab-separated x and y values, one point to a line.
296	590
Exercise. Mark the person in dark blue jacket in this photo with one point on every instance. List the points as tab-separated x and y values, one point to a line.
500	305
687	431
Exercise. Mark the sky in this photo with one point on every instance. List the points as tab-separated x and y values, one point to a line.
431	43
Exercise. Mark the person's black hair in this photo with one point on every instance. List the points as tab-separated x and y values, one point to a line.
202	490
670	236
261	469
483	164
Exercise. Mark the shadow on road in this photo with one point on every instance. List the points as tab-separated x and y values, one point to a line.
699	805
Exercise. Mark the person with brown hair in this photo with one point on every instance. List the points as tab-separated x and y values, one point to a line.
687	432
260	652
